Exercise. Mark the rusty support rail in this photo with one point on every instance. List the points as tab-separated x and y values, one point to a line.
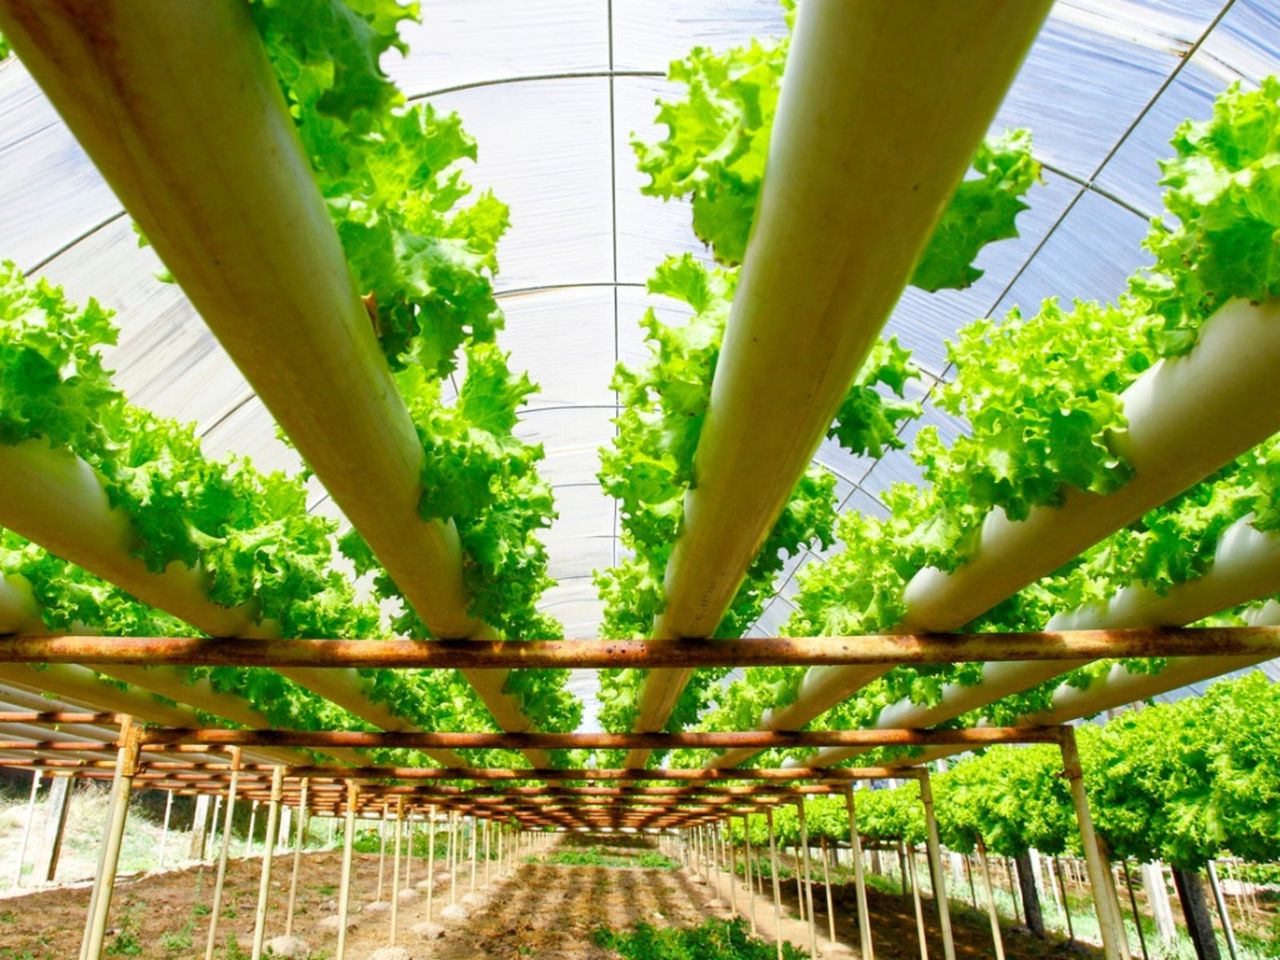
594	654
609	741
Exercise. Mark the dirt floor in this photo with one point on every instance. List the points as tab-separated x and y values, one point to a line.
542	910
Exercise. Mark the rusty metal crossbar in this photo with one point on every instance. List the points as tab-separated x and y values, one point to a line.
646	654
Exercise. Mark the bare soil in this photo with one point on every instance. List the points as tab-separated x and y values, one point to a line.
539	910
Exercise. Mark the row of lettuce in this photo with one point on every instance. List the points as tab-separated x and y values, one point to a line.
1182	782
714	156
1035	400
422	250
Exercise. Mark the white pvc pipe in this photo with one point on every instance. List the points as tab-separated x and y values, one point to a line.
194	136
1246	566
1121	686
80	686
268	854
1187	417
26	830
821	273
55	499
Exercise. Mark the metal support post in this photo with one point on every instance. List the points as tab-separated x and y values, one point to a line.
118	812
777	891
1115	943
344	890
299	840
395	871
268	853
935	867
996	936
60	798
26	831
859	879
746	840
216	910
808	880
164	830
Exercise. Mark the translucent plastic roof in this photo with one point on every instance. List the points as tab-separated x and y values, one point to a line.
553	91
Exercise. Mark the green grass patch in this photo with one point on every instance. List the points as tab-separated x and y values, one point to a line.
714	940
595	857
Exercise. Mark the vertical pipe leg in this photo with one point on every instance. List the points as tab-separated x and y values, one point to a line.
268	853
431	859
453	857
382	849
26	831
808	879
1057	897
716	836
1066	902
253	822
708	854
733	868
991	900
164	830
408	863
344	888
473	856
60	797
1232	947
498	843
286	815
216	910
826	882
1019	906
799	887
1133	902
913	878
211	846
746	839
395	872
935	867
299	839
1115	942
859	879
105	881
777	891
484	825
199	827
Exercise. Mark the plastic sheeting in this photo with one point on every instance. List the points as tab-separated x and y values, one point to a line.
553	91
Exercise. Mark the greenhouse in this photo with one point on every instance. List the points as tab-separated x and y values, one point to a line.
650	479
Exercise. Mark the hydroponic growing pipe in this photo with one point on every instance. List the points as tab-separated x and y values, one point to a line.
821	272
1187	417
56	499
80	685
188	125
1246	566
1122	686
19	612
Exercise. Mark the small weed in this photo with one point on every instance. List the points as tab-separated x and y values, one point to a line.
126	942
201	909
8	916
178	940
